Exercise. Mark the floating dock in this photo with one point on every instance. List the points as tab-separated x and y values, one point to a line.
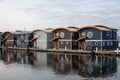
114	53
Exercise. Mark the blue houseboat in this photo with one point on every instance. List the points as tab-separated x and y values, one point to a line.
97	37
23	38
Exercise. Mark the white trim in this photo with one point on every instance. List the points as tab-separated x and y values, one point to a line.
10	40
65	40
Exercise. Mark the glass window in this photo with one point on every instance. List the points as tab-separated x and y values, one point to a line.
103	43
57	34
61	42
107	34
67	42
107	43
111	43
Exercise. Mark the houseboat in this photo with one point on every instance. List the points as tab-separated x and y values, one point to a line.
65	38
23	38
97	37
7	39
40	39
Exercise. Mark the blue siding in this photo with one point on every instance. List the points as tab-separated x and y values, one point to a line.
96	34
106	35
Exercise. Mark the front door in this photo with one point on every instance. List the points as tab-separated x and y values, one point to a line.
83	45
56	44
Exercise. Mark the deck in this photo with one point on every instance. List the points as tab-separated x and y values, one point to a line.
114	53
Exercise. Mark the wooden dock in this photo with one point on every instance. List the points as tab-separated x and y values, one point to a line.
114	53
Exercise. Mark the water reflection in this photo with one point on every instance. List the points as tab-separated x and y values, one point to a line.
89	66
64	64
61	63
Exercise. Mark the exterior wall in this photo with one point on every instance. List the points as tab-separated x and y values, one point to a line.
22	39
96	34
109	45
75	36
30	36
91	41
42	39
109	40
49	43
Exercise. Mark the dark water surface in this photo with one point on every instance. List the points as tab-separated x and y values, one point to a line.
22	65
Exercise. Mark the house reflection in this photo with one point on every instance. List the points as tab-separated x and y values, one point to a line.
94	66
63	64
23	57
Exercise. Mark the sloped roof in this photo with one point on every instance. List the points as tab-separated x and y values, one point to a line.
38	30
85	27
65	28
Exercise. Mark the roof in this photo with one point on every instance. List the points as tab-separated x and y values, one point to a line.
65	28
48	30
80	39
85	27
54	39
34	39
38	30
97	27
7	32
22	32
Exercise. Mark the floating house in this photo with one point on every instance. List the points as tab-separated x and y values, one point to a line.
65	38
23	38
7	39
40	39
97	37
50	35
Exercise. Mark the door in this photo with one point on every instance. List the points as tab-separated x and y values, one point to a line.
57	44
83	45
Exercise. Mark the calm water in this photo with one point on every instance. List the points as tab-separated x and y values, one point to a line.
22	65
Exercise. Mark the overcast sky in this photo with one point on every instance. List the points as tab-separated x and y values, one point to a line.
34	14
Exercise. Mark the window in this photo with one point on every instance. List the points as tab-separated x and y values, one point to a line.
61	42
57	34
62	35
90	34
96	43
83	34
107	34
67	42
103	43
107	43
111	43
